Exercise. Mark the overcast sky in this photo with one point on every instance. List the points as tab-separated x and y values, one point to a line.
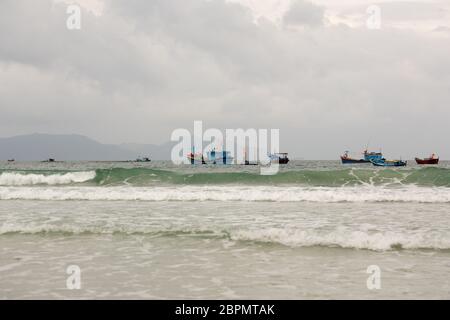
138	69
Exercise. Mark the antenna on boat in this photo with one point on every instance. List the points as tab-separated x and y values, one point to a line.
368	143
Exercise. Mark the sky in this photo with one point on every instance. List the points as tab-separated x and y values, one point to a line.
138	69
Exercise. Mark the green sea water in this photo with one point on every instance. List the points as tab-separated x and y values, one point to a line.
156	230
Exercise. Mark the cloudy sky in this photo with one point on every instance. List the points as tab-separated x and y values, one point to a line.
138	69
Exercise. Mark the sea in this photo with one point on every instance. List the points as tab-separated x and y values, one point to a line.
315	230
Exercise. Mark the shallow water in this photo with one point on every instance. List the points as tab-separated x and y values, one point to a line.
159	231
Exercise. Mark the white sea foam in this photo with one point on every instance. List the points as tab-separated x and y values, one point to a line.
292	237
344	238
22	179
221	193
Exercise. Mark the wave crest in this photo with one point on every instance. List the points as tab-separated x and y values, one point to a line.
347	177
290	237
231	193
24	179
377	241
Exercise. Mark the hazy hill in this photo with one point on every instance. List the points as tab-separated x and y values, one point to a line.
35	147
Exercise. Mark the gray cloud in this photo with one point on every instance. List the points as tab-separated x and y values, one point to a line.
144	68
415	15
304	13
414	10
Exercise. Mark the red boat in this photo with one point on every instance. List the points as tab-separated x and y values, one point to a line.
431	160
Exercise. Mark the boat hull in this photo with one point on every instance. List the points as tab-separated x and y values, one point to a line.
281	161
228	160
353	161
279	158
390	163
427	161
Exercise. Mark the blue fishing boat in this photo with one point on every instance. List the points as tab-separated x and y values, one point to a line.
346	159
389	163
368	157
218	157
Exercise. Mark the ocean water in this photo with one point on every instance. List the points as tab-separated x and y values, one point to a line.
155	230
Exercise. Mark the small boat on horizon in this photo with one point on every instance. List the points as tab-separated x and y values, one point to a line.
196	158
389	163
280	158
247	162
143	159
218	157
212	157
431	160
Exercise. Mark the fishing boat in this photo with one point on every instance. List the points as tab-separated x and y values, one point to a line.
143	159
346	159
389	163
196	158
368	157
248	162
431	160
280	158
218	157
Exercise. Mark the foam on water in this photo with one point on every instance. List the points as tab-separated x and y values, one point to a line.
287	236
23	179
344	238
231	193
299	233
426	177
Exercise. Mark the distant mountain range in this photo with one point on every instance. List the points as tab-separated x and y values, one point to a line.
36	147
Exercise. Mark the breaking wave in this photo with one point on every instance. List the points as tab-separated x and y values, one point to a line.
429	177
232	193
378	241
439	177
290	237
24	179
